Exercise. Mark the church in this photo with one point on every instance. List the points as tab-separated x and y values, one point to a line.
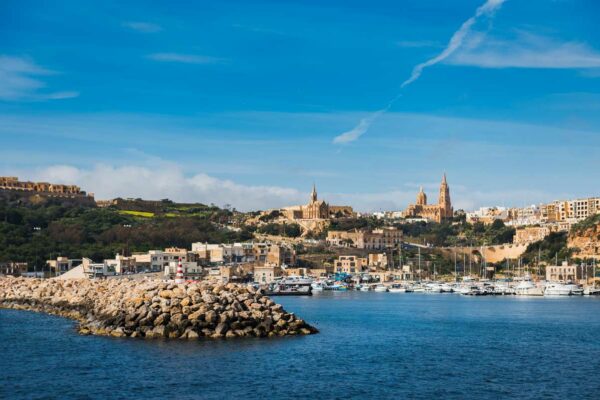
435	212
316	210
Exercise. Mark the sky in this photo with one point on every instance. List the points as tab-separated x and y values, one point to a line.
249	103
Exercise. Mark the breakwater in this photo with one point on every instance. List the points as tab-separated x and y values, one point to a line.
154	309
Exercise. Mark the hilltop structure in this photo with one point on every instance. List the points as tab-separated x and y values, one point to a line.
316	210
12	185
438	212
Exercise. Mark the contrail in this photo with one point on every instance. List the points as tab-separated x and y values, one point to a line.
457	39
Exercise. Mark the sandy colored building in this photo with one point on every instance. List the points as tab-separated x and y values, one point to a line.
570	210
13	268
316	209
563	273
350	264
378	260
267	273
438	212
12	183
376	239
60	265
530	234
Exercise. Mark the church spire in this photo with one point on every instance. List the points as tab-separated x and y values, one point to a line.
313	195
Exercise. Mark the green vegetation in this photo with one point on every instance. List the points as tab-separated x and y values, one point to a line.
35	233
586	224
457	233
349	224
551	248
287	230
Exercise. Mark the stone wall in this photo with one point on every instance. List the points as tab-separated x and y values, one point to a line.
154	309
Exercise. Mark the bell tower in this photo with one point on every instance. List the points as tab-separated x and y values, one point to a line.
444	200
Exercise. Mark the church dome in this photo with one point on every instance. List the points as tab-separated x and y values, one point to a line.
421	198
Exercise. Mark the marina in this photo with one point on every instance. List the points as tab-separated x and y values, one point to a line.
524	287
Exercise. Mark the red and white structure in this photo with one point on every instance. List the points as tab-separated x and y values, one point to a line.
179	276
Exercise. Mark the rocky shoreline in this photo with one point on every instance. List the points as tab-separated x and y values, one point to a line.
154	309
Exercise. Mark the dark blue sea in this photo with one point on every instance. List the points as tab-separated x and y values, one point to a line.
371	345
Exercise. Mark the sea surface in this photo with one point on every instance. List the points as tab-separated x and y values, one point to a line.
371	345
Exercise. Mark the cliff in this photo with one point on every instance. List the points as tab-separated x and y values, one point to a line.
154	309
585	240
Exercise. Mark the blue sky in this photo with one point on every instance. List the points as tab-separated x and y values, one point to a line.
242	102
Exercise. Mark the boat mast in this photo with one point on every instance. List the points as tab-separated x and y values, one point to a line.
419	251
455	270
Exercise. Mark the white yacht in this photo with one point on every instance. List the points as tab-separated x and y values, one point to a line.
447	288
563	289
528	288
317	286
433	287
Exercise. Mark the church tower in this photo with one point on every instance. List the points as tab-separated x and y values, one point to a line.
444	201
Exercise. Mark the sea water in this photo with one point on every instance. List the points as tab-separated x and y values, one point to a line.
370	345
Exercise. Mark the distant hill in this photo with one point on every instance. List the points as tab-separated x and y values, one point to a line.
35	232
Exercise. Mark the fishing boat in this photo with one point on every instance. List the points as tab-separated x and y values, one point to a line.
290	286
591	291
473	291
380	288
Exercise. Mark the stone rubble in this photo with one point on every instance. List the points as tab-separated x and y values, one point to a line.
154	309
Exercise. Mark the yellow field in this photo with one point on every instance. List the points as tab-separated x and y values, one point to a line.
138	213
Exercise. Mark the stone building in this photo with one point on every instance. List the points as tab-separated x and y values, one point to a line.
530	234
316	210
377	239
13	268
350	264
12	184
570	210
438	212
563	273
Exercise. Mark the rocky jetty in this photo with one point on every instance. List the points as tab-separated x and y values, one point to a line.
154	309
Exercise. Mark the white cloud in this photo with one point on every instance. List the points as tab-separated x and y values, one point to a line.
184	58
167	181
486	10
359	129
457	39
20	81
525	50
143	27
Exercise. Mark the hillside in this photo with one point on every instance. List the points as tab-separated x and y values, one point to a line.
36	232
